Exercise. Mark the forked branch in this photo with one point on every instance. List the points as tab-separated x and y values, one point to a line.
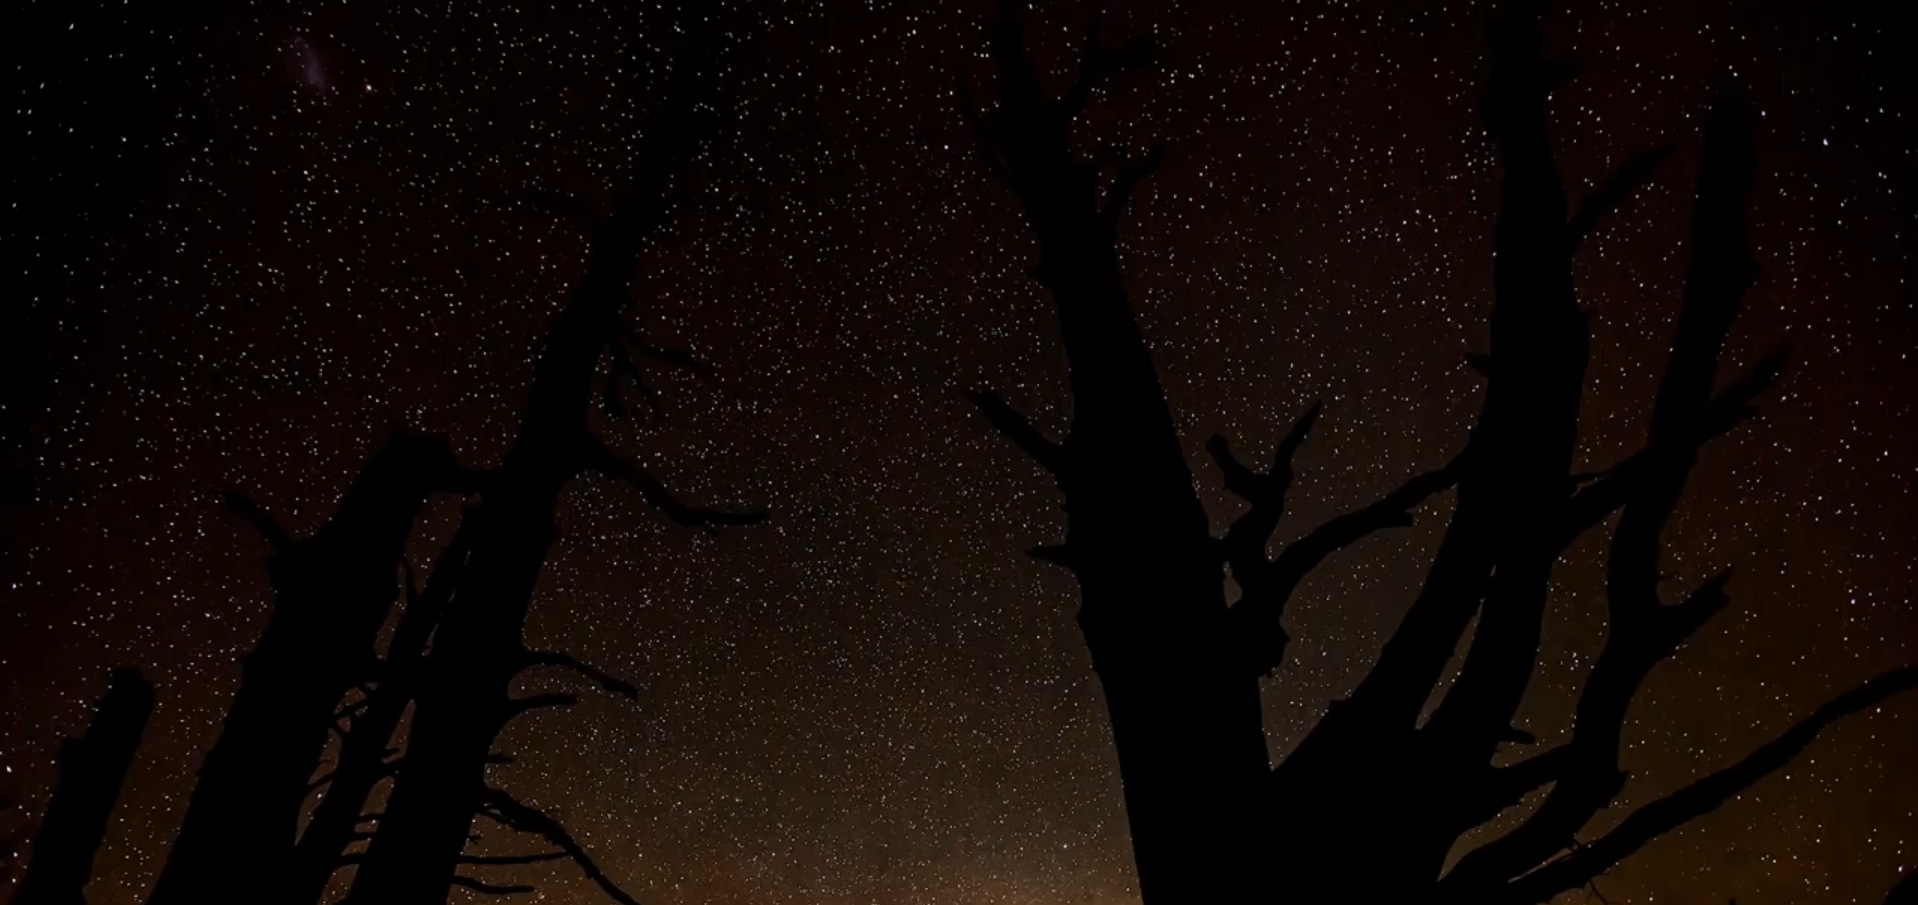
507	811
1699	798
1268	588
1264	494
606	462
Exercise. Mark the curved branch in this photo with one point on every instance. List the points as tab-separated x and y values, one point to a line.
498	860
1267	590
680	358
1610	489
504	809
620	371
1006	420
1701	797
1617	188
599	677
237	502
516	707
1505	787
492	889
605	462
1394	510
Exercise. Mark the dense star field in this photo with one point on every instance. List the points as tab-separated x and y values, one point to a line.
255	234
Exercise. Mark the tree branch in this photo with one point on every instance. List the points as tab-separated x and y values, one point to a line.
1268	589
1642	630
605	680
1006	420
680	358
1617	188
519	706
238	503
1126	181
498	860
507	811
619	371
1245	542
1609	489
1699	798
1097	61
1394	510
492	889
618	468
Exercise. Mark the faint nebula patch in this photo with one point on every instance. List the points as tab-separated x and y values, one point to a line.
308	64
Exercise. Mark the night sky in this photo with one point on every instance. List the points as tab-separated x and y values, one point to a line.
255	234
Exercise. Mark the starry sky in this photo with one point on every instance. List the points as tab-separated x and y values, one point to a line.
253	234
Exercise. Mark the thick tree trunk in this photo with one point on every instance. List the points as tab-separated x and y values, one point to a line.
332	593
1185	721
362	762
92	770
463	702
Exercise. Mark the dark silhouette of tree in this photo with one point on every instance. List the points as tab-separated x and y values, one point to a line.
366	752
93	767
464	693
1211	817
332	593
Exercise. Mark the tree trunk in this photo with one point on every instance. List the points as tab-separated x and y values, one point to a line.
463	702
362	762
332	593
92	770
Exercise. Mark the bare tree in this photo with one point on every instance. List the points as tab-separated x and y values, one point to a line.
93	768
332	592
464	694
1180	665
367	755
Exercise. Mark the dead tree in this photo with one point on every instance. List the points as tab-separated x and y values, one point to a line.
366	752
464	697
332	592
93	768
1211	817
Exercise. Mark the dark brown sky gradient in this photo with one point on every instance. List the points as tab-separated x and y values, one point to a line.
275	228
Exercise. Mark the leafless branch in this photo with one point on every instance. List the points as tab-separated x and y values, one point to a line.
508	811
519	706
497	860
237	502
607	463
1007	420
1264	493
1701	797
492	889
1617	188
1268	589
598	677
